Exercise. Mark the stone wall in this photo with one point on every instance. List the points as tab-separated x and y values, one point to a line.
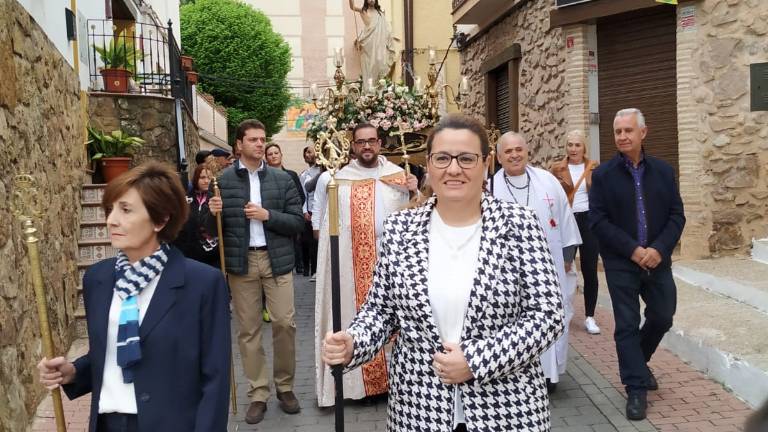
150	117
542	76
731	143
41	132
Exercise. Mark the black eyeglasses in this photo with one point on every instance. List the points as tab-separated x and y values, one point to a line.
370	141
443	160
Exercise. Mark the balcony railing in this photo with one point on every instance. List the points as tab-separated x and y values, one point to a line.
457	4
148	51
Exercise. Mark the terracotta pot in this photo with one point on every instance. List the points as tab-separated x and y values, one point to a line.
116	80
192	77
186	63
112	167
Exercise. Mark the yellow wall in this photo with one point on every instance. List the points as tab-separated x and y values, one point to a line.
433	26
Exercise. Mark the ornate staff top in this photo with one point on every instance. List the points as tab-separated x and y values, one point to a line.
332	148
24	204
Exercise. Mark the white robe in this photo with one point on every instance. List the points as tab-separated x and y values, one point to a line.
548	199
388	199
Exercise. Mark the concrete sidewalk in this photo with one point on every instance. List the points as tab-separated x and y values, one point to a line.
589	398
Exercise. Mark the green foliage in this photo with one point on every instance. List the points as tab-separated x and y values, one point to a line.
115	144
120	53
242	61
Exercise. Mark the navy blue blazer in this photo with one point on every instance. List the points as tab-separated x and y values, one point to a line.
182	381
613	211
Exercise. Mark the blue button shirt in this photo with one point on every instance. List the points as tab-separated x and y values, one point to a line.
637	179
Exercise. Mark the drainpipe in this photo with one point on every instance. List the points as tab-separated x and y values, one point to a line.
76	66
408	26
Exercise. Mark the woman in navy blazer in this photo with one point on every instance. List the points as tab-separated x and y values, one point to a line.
158	323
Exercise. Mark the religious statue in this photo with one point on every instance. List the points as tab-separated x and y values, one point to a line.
375	42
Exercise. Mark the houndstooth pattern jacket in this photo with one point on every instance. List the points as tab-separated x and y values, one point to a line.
514	313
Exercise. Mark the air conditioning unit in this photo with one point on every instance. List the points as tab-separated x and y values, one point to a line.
564	3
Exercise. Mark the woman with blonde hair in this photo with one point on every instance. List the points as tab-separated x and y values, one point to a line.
574	172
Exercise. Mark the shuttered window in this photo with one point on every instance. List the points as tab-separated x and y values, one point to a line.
637	69
503	118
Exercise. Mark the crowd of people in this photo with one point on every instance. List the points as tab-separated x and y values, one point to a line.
456	296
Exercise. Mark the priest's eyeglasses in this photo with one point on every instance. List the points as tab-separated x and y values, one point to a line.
370	141
443	160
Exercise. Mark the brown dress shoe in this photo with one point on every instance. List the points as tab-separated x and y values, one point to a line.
255	412
288	402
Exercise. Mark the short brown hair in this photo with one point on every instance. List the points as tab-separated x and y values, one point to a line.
245	125
461	121
365	125
160	190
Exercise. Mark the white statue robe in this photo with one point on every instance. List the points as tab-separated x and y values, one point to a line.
366	197
548	199
377	50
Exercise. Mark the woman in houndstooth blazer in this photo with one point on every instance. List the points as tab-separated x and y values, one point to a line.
469	286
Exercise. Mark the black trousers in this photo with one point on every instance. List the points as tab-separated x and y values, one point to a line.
461	428
114	422
309	249
588	251
634	344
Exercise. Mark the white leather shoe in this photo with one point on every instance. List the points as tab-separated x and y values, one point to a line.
591	326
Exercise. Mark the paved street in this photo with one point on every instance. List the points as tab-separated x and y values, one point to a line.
589	398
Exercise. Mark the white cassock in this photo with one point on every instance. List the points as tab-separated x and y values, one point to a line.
547	197
366	197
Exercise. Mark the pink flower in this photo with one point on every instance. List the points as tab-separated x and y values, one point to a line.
386	124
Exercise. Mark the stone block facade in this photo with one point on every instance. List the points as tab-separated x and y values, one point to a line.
542	113
150	117
723	146
41	133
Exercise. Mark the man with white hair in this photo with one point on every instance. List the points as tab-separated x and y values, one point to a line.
520	183
637	236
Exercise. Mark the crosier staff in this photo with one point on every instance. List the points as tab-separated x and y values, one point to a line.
215	168
332	149
26	210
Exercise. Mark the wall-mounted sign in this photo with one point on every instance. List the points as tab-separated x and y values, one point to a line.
758	86
569	41
563	3
688	18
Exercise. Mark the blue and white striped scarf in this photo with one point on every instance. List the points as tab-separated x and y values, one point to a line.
131	280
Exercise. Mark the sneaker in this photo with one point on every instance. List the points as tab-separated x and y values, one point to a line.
313	278
591	326
265	316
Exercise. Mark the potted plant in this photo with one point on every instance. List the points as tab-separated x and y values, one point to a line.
192	77
119	58
114	150
186	62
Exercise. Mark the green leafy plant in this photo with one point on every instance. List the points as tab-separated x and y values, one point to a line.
243	62
120	53
114	144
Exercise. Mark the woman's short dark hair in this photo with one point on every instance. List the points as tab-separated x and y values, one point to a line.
245	125
198	172
461	121
160	190
270	145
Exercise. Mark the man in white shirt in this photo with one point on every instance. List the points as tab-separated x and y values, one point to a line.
536	188
370	189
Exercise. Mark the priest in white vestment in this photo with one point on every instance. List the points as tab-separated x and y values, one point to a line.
370	189
536	188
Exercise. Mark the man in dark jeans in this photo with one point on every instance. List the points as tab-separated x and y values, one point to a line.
637	215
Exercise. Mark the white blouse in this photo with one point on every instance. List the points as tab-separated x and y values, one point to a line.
453	257
581	199
117	396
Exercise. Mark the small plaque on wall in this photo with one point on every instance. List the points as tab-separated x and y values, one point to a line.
758	86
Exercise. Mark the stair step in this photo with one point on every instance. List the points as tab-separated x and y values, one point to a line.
93	231
741	279
92	212
95	250
92	193
760	250
723	338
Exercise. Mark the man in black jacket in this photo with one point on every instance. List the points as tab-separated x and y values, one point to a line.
637	215
261	214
